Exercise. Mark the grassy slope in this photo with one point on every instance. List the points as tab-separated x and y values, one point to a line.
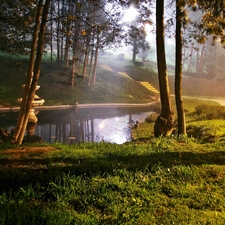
110	86
193	86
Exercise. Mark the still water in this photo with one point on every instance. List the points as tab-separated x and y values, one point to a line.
92	124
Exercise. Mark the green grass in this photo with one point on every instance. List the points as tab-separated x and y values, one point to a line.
110	86
164	181
204	121
175	180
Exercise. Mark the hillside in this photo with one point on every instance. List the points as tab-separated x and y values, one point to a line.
111	86
193	84
200	87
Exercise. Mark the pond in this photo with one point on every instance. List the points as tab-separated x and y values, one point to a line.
111	124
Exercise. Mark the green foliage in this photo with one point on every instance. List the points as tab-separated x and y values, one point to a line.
206	130
204	121
209	112
151	118
190	104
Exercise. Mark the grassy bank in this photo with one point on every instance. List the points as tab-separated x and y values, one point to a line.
110	87
164	181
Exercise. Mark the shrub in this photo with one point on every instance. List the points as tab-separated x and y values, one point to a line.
151	118
121	56
209	112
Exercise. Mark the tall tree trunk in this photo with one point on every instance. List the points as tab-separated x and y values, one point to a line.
58	35
90	68
190	59
197	60
76	38
86	55
34	67
96	56
165	121
62	14
51	30
134	50
202	60
178	73
68	36
21	118
183	58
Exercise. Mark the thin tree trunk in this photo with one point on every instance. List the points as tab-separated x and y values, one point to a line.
36	68
165	121
73	71
68	30
75	53
51	29
58	37
21	118
190	59
197	60
202	59
85	66
178	73
134	50
86	56
90	68
96	57
62	32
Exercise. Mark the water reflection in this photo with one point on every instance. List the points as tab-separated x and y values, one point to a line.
86	125
91	125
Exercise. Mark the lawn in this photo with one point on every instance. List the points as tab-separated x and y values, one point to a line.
161	181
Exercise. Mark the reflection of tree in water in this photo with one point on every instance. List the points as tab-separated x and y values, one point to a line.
127	132
31	126
89	125
76	131
131	121
127	129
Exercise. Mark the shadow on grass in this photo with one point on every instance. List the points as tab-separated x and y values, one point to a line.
17	173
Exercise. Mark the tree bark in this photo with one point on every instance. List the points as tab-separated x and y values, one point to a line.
21	118
33	72
190	59
51	30
68	36
96	56
90	68
134	50
165	121
86	56
202	59
58	35
197	60
178	73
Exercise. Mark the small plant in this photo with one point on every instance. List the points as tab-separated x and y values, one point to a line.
151	118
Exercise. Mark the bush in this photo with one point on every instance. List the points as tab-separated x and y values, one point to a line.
120	56
209	112
151	118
